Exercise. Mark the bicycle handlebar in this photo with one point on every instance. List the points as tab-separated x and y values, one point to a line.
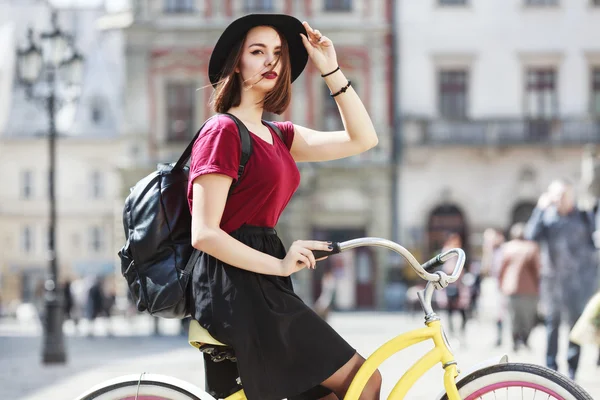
439	277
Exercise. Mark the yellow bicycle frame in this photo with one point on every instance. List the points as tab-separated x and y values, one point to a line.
441	353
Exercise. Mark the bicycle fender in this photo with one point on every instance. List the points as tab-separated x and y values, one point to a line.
500	359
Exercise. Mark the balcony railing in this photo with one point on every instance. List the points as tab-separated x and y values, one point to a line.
419	132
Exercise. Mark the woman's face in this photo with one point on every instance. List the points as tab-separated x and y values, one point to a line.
260	66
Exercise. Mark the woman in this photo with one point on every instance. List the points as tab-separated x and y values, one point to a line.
242	292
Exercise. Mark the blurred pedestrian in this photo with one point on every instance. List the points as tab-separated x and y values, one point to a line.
587	327
67	300
97	302
519	279
569	272
324	302
590	185
39	300
490	267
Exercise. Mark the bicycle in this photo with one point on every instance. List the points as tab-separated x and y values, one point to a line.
481	382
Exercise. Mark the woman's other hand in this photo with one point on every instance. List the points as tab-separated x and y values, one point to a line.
300	256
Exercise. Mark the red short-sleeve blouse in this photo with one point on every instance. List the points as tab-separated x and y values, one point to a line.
270	178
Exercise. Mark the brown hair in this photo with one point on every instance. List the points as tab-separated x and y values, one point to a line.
228	92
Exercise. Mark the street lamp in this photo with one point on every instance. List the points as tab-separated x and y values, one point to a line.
39	70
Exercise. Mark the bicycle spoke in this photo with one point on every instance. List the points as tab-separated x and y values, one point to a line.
511	393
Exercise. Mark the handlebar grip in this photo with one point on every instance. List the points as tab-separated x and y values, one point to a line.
433	263
323	253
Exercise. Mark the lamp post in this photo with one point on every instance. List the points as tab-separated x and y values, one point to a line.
51	75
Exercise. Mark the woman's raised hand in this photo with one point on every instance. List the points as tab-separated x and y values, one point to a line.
320	49
300	256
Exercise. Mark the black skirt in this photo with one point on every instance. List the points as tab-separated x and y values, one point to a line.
283	348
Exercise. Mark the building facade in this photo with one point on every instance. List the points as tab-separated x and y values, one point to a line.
168	45
497	98
88	152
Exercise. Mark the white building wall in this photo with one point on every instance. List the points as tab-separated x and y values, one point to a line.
496	39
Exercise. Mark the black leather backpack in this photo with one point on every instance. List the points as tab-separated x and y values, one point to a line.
158	258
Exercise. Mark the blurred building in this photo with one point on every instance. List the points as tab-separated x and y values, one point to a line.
88	150
496	99
168	44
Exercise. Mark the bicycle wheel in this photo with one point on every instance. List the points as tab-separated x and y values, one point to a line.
519	381
145	387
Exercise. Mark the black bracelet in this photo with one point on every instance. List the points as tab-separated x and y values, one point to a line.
342	90
329	73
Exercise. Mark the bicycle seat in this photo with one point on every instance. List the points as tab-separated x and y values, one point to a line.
197	336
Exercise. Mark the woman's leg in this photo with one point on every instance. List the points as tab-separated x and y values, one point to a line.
340	381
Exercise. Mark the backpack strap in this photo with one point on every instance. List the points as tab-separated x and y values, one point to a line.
246	147
275	128
245	144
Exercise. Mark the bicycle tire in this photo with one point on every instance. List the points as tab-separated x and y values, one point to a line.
511	375
145	387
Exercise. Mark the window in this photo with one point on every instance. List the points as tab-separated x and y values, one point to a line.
540	102
453	2
26	184
338	5
258	5
541	99
180	111
541	2
97	185
96	239
27	240
453	94
179	6
596	92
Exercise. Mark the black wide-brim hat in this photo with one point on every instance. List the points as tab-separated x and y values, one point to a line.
286	25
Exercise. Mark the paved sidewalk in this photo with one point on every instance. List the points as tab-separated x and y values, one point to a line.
94	360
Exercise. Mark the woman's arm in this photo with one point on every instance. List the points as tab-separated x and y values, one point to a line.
209	196
358	135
